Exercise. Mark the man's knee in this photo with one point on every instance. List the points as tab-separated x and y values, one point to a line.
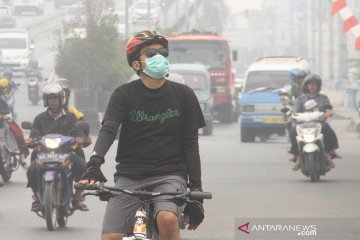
112	236
167	221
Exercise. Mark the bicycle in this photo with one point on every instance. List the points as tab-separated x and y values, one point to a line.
144	218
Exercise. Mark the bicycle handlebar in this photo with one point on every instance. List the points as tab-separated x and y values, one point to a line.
192	195
199	195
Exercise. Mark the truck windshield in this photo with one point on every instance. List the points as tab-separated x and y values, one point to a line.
266	79
195	81
210	53
12	43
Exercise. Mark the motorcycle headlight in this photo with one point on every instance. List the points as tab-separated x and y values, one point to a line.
309	138
308	134
52	143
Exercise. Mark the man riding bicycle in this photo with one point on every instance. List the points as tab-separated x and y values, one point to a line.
158	145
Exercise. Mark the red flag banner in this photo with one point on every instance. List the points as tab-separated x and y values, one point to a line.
337	6
350	21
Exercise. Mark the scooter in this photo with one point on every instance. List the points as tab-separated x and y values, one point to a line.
310	143
33	90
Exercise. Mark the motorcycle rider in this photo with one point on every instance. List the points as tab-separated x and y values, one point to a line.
158	145
296	76
65	84
5	87
34	71
312	87
56	120
10	97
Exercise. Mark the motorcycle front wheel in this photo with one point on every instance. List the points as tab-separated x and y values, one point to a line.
50	206
62	217
313	167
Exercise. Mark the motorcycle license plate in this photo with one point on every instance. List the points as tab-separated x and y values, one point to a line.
274	120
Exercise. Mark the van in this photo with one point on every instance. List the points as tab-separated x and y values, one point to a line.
35	6
197	77
16	48
260	102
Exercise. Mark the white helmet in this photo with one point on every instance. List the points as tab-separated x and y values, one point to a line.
53	90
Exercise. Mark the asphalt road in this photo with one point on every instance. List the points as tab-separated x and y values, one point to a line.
247	180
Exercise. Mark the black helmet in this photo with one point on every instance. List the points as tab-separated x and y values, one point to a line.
312	78
8	74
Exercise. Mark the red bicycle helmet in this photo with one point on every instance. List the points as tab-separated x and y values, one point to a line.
141	39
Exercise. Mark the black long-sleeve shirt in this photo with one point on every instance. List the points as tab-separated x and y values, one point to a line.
159	133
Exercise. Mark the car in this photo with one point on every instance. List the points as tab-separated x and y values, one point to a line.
7	2
21	6
7	19
197	77
60	3
139	12
73	36
74	17
17	50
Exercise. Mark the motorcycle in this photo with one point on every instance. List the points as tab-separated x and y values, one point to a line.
10	153
33	90
55	181
34	71
310	143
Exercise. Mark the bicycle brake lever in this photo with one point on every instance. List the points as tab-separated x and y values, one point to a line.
91	194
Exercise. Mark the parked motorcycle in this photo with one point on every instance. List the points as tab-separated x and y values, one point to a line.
310	144
55	181
33	90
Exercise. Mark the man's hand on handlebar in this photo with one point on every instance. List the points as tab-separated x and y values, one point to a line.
93	173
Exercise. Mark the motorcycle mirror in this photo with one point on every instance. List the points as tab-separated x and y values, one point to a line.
26	125
81	125
283	94
284	109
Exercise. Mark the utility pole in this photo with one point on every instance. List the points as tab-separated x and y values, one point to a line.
313	35
177	15
126	19
343	54
320	18
186	15
304	32
148	14
331	49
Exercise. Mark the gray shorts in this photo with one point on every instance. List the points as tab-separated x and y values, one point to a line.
120	211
